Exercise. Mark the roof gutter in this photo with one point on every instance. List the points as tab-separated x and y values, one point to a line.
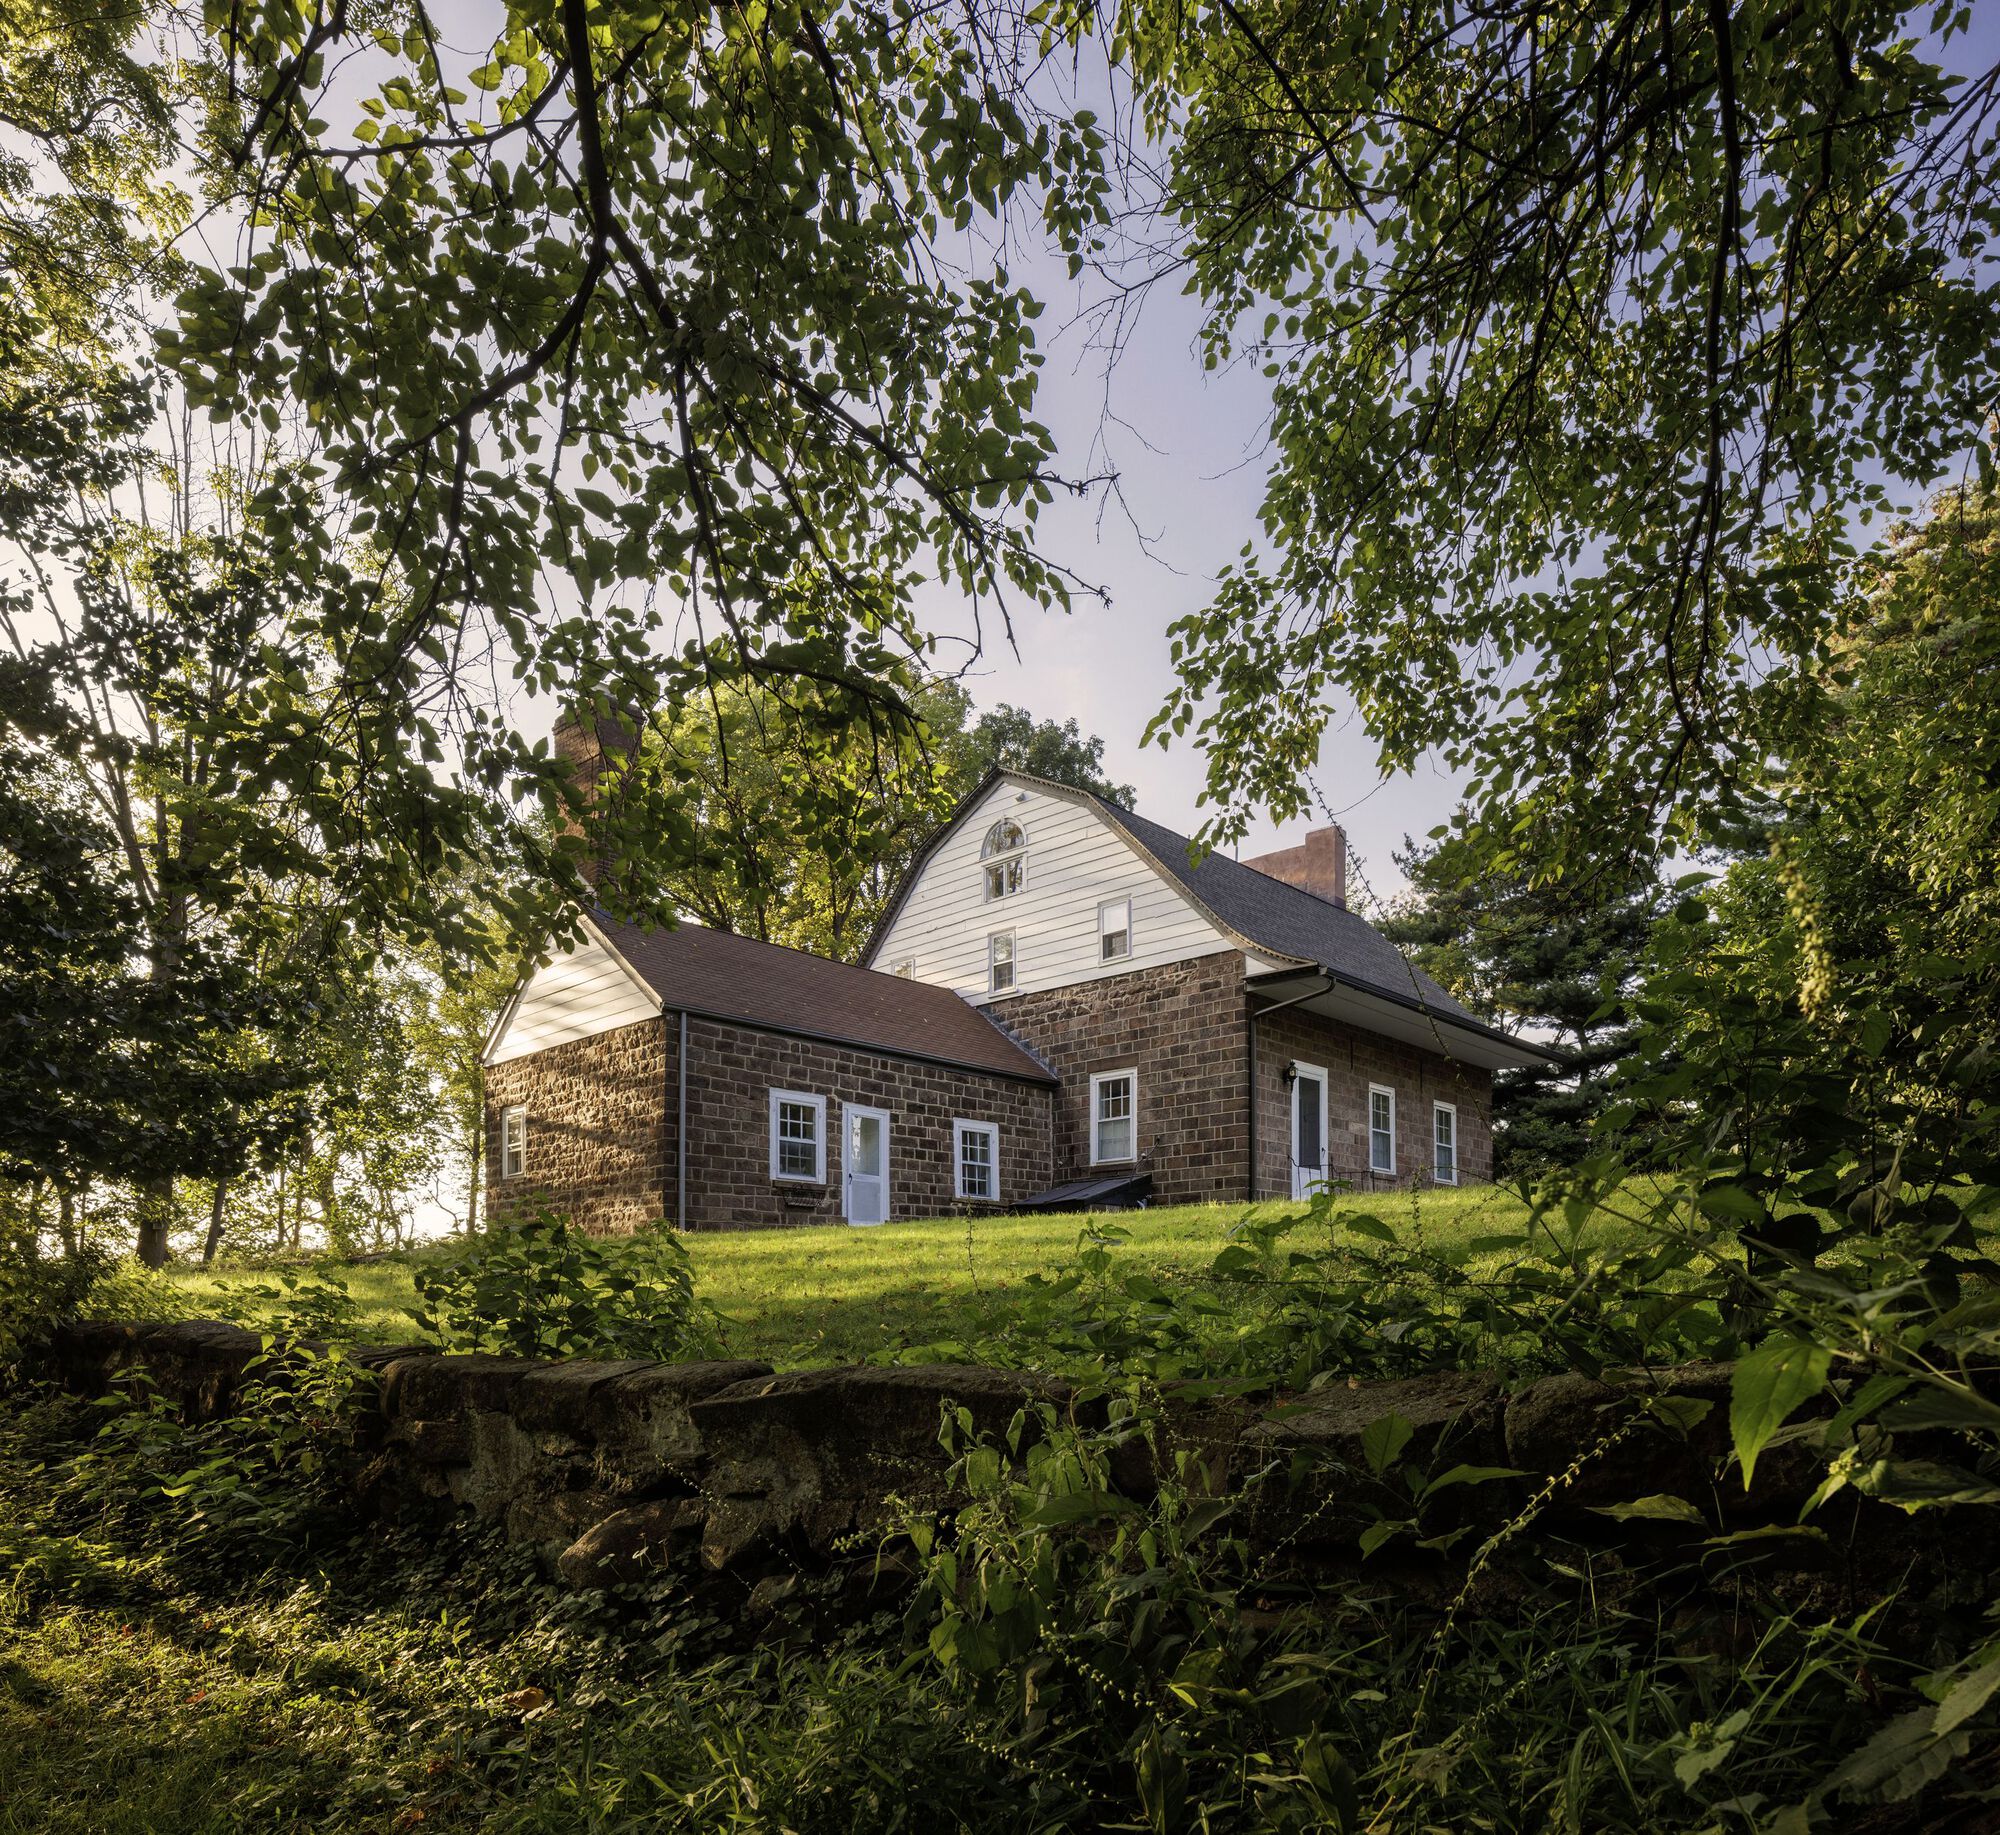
1409	1002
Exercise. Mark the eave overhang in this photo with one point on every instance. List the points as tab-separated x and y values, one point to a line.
1407	1019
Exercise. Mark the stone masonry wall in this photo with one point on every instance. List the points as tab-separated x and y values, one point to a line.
602	1117
733	1069
1182	1027
781	1491
600	1129
1352	1060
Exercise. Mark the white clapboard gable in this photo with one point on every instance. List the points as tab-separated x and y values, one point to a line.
575	995
1076	862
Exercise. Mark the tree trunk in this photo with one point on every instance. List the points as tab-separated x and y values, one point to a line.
476	1183
66	1219
214	1241
156	1220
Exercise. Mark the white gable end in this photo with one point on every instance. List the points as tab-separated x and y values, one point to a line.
575	995
1075	862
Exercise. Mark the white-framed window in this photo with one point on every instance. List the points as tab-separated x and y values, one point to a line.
1000	962
798	1137
1005	854
1114	1116
1381	1128
905	970
1444	1143
975	1159
1114	930
513	1142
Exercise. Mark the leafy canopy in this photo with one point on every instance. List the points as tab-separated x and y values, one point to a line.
1591	333
651	349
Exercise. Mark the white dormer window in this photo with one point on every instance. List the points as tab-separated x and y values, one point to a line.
1005	853
1114	930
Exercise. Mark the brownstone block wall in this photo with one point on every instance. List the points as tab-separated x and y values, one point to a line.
1182	1027
602	1117
1352	1060
733	1069
600	1128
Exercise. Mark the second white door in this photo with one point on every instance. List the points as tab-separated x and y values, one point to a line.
867	1165
1308	1129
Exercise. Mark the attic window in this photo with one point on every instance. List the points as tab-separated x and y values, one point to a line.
1114	930
905	969
1005	852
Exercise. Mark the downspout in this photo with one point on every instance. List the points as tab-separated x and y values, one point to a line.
1257	1013
681	1132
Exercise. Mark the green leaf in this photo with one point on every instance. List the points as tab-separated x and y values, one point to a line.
1362	1224
1659	1508
1073	1507
1383	1439
1471	1475
1770	1382
1968	1695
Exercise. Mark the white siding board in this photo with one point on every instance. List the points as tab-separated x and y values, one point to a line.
1076	860
575	995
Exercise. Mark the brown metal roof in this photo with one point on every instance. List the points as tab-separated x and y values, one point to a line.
721	976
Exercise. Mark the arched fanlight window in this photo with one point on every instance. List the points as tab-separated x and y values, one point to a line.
1005	851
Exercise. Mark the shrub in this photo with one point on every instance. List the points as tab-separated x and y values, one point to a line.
544	1288
37	1295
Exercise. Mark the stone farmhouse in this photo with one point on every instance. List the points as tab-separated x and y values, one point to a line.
1057	1009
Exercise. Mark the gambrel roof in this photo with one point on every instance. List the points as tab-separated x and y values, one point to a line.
1285	920
1295	931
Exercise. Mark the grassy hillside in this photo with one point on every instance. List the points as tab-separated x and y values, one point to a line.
831	1294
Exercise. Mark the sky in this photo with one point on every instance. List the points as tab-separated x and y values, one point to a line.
1188	445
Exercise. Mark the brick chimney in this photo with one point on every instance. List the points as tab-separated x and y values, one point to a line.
593	741
1317	865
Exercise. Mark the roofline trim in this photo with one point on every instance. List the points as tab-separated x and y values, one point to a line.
663	1005
1478	1028
1105	811
611	949
1036	1077
513	1006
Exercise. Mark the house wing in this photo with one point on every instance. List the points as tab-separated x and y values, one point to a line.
1286	931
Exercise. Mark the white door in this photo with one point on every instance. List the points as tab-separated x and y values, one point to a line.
867	1154
1308	1130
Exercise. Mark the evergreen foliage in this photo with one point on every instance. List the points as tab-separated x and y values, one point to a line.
1559	962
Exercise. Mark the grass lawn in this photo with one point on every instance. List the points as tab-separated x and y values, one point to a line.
831	1294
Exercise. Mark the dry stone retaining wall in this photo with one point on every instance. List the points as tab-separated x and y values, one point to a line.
614	1470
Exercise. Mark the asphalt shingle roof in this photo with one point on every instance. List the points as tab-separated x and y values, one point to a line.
1287	919
764	984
